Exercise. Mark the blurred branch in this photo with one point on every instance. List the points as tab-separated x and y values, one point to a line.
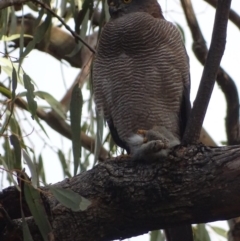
8	3
233	16
58	44
81	79
74	34
59	125
212	63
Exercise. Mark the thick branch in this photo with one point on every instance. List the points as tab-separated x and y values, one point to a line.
192	186
233	16
217	47
223	79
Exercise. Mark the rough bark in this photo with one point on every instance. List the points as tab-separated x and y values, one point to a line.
130	198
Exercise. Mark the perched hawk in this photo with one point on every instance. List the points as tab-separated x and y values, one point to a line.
141	79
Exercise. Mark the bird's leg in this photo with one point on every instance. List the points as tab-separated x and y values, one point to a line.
152	144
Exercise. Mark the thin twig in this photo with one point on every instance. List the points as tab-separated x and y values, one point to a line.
214	57
76	36
6	3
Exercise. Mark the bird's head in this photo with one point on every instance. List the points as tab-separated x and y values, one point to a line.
118	8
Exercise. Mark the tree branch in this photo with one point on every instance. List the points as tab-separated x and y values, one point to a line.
223	79
58	44
74	34
233	16
217	47
8	3
58	124
191	186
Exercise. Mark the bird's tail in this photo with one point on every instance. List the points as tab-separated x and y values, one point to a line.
179	233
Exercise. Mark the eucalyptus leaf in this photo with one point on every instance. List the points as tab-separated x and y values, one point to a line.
32	104
33	199
26	232
5	92
156	235
10	174
57	107
99	136
32	168
7	66
201	234
14	37
14	83
41	169
65	167
39	34
70	199
17	151
41	126
75	117
220	231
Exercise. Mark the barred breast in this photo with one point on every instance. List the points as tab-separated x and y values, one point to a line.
139	74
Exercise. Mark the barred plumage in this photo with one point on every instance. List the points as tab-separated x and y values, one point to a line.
139	74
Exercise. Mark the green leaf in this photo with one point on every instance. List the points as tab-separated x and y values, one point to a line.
57	107
26	232
5	92
83	32
32	168
41	126
220	231
14	83
17	151
9	174
36	207
99	136
14	37
7	66
75	116
4	16
14	127
106	11
39	34
41	169
156	235
64	164
32	104
70	199
201	234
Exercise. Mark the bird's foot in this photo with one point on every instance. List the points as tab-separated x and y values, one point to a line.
143	133
152	144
